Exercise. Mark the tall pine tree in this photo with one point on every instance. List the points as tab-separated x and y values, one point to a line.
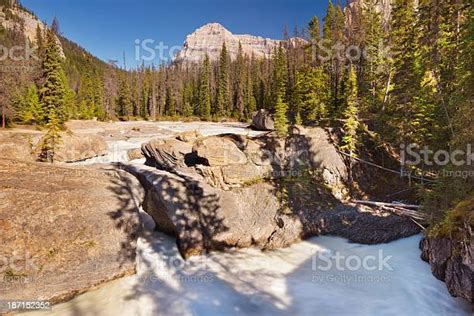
205	90
53	91
351	120
223	105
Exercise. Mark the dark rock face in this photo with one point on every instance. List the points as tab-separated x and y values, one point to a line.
65	230
265	192
263	121
166	154
452	262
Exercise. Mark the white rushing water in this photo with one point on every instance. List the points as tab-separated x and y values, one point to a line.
117	149
320	276
291	281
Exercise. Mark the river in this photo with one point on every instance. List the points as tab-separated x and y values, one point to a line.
303	279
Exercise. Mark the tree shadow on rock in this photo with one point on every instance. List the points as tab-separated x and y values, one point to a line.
126	215
311	184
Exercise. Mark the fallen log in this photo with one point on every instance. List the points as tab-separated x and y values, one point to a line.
405	212
399	209
386	204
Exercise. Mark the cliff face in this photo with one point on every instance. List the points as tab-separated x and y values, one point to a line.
17	19
384	7
209	38
21	20
451	261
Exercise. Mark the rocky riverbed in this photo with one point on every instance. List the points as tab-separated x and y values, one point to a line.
212	186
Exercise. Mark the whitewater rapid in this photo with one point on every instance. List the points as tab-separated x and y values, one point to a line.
298	280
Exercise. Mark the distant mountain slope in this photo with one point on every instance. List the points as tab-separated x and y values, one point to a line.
16	19
209	38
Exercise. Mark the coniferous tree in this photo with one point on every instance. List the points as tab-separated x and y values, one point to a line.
374	63
281	119
279	84
464	118
448	191
240	78
204	90
134	97
124	102
51	141
315	40
32	112
250	100
279	76
187	96
332	58
223	106
351	120
406	81
54	89
170	106
311	94
439	25
87	97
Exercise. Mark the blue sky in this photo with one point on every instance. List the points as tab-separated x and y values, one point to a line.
107	28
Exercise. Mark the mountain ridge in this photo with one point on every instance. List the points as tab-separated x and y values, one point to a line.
209	38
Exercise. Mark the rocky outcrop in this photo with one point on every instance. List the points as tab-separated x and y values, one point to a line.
134	154
236	191
219	151
76	147
166	154
205	218
72	147
65	230
16	146
383	7
189	136
19	19
29	22
209	38
262	120
452	261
